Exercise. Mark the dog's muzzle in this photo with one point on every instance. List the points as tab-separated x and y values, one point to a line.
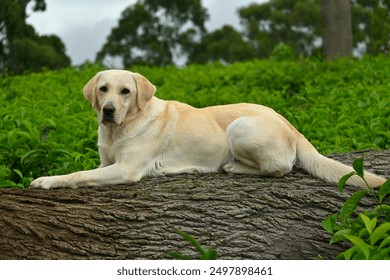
108	113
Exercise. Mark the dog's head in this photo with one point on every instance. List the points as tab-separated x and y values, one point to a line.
117	93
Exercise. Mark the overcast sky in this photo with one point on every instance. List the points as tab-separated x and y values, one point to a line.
83	25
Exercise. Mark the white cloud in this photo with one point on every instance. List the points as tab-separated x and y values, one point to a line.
224	12
84	41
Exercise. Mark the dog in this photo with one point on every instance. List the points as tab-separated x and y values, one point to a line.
141	135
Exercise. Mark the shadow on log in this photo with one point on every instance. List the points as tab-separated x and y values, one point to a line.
243	217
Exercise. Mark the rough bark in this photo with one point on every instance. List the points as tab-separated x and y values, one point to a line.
243	217
337	18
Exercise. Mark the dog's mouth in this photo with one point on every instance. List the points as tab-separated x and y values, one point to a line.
108	119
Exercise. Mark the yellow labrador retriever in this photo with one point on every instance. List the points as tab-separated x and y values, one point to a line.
141	135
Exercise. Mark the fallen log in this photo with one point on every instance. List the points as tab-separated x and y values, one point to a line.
242	217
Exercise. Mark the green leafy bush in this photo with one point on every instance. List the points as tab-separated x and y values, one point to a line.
282	52
367	231
47	127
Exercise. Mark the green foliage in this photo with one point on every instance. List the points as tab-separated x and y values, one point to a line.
298	23
294	23
154	32
368	231
282	52
225	44
37	54
21	49
205	254
48	128
371	25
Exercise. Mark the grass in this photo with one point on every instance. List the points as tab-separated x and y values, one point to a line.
47	127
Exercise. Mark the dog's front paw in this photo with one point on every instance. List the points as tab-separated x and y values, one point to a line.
50	182
42	182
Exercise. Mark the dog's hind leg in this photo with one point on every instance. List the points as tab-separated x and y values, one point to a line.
261	146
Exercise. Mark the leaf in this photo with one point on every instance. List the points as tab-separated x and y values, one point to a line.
384	190
329	223
358	166
339	235
350	205
205	254
31	154
344	179
211	254
379	233
362	232
7	184
347	255
382	209
382	254
370	224
178	256
191	240
23	134
17	171
385	242
61	152
363	246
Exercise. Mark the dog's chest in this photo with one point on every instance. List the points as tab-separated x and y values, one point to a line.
116	146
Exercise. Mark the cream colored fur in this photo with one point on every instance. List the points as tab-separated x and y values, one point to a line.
141	135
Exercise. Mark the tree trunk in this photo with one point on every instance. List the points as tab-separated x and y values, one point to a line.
337	28
243	217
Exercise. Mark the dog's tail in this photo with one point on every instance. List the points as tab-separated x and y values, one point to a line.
330	170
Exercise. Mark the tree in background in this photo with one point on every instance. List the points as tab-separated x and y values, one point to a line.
371	25
225	44
37	53
20	47
163	32
156	32
299	24
337	28
296	23
310	27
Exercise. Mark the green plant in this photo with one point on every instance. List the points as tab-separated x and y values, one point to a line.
367	231
282	52
205	254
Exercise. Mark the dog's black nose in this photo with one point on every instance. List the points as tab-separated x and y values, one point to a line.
109	109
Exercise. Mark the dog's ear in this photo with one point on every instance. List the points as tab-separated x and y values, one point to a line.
145	90
90	92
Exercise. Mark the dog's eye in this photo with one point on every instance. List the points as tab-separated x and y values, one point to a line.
103	89
125	91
